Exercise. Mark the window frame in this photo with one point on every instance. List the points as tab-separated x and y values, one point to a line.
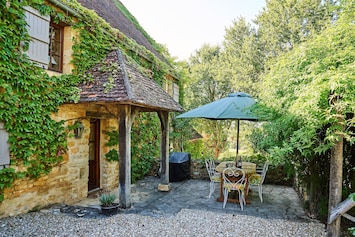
59	27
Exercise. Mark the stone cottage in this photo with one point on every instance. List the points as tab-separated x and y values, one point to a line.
118	88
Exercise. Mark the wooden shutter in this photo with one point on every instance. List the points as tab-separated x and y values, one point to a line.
38	29
4	146
176	92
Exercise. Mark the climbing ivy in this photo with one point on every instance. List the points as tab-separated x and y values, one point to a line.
112	155
29	96
146	142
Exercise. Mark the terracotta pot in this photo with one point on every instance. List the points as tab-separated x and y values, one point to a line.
110	210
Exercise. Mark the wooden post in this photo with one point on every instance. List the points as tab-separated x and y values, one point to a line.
335	181
126	117
164	151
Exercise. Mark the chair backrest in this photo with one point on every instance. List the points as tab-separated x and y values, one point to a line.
263	173
232	176
210	165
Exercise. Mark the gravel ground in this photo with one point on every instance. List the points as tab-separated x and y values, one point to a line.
185	223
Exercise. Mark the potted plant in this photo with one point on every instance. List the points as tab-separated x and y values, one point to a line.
108	204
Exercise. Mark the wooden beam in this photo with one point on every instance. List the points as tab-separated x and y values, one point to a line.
100	115
349	217
126	117
164	151
341	209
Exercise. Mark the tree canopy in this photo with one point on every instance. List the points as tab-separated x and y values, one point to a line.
311	88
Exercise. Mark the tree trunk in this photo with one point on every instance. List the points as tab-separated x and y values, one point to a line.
335	185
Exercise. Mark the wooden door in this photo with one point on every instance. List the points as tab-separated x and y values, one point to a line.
94	155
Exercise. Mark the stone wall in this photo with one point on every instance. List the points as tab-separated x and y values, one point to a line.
29	194
198	170
67	182
109	169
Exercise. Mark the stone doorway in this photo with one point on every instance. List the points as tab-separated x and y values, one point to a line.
94	155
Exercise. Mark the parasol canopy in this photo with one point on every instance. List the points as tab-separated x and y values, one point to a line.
236	106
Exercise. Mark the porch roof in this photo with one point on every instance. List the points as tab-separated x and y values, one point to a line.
120	80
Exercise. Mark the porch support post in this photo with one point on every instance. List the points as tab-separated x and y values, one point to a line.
164	152
126	117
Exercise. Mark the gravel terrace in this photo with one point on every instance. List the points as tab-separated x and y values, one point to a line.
183	211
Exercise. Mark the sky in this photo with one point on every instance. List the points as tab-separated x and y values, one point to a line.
183	26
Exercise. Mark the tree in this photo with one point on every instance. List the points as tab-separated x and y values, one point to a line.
315	83
242	56
208	84
283	24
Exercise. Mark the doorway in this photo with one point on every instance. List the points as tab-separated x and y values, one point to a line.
94	155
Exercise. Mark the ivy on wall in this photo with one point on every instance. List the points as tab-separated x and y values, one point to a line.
28	95
112	155
146	140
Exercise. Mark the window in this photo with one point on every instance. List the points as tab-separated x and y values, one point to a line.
55	51
4	147
172	89
46	45
176	92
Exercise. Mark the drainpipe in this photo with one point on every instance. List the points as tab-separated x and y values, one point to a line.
65	8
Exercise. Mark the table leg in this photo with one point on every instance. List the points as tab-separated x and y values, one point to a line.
221	197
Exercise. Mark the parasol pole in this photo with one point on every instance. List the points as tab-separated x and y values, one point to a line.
236	155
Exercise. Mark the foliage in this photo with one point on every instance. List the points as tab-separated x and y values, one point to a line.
315	76
107	199
7	177
28	97
284	24
195	148
310	88
186	139
256	158
352	231
146	144
129	16
206	84
180	134
243	57
112	155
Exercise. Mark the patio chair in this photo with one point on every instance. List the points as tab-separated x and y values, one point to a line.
215	177
234	180
257	179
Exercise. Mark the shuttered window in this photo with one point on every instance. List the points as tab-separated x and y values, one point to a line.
4	147
38	29
176	92
172	89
